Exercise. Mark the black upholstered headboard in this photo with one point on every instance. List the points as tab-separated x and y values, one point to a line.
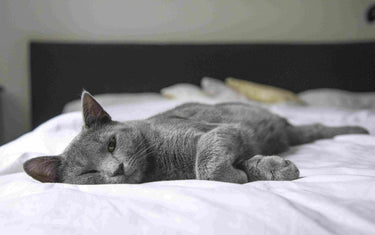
59	71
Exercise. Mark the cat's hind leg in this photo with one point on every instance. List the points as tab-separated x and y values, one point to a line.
309	133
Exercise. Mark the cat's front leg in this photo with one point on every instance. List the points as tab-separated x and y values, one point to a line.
217	154
262	167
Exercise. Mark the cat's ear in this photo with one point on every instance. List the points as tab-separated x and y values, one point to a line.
43	169
93	113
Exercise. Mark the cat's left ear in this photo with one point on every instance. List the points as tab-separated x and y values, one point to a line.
93	113
43	169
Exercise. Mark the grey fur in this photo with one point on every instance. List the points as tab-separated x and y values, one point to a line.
223	142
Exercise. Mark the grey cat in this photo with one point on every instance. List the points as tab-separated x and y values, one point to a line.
224	142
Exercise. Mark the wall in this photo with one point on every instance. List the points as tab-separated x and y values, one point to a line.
161	21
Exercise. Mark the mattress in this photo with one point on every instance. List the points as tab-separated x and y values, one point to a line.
335	194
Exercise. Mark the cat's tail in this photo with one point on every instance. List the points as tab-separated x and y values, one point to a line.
309	133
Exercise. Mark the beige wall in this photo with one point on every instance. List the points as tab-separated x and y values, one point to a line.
161	21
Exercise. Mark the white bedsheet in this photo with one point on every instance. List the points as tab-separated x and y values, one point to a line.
336	194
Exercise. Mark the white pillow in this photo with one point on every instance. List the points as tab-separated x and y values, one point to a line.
338	98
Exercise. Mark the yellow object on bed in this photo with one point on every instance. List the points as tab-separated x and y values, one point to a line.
260	92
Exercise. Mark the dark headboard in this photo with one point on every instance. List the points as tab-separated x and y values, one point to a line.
59	71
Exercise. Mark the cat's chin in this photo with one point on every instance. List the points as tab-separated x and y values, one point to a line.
134	178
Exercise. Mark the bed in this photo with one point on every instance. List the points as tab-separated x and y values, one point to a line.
336	191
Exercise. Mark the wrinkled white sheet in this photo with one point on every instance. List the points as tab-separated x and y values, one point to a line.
336	194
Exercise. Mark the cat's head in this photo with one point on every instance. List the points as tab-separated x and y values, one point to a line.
104	152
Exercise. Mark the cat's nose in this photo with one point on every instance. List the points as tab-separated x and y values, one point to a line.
119	170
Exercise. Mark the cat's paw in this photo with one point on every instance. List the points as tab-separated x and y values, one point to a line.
262	167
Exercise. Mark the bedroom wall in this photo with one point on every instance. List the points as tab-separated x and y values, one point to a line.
161	21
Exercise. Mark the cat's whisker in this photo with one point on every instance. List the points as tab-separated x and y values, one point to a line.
141	143
143	150
143	153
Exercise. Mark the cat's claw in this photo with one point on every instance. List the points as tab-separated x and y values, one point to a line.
262	167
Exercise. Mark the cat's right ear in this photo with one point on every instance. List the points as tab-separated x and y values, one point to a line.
43	169
93	113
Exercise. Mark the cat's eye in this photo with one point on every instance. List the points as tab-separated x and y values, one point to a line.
112	144
89	172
